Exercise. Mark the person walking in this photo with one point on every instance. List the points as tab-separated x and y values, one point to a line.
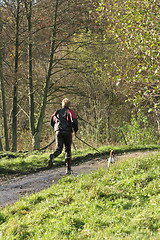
64	121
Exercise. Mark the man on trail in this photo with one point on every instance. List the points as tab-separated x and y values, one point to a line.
64	121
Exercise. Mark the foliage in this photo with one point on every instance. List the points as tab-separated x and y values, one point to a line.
139	131
136	23
136	26
120	203
95	84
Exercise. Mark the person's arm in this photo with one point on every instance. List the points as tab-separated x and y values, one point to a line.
53	120
74	121
75	126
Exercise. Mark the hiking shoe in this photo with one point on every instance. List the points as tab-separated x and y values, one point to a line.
50	162
69	171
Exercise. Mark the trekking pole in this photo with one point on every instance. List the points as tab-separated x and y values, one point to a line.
48	145
88	144
74	146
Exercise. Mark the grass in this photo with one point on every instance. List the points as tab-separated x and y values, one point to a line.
120	203
24	163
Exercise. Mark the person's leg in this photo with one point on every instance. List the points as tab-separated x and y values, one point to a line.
58	150
67	142
59	144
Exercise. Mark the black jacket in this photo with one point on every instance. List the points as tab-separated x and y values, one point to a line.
64	120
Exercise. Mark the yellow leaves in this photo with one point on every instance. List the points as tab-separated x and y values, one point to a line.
9	20
11	51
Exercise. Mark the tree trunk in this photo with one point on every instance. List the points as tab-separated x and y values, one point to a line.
110	101
1	146
14	120
108	126
15	86
28	6
3	94
37	135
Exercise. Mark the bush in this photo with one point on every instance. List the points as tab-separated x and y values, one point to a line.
139	131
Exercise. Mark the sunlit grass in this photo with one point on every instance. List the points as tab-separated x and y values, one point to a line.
120	203
19	163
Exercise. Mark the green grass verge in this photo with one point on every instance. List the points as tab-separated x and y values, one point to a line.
24	163
120	203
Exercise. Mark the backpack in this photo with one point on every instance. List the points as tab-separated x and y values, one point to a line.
62	121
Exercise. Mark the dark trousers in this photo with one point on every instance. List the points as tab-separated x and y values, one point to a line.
66	139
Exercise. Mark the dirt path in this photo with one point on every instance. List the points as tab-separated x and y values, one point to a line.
11	190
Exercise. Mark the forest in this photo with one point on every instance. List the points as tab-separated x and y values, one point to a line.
103	55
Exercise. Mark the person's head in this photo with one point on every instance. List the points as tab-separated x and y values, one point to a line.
65	102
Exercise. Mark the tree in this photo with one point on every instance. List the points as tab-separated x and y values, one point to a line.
95	87
3	89
14	66
1	146
15	84
64	24
136	26
48	24
28	7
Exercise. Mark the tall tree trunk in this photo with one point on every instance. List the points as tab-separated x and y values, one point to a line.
3	93
108	125
1	146
28	6
15	86
110	102
14	119
37	136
